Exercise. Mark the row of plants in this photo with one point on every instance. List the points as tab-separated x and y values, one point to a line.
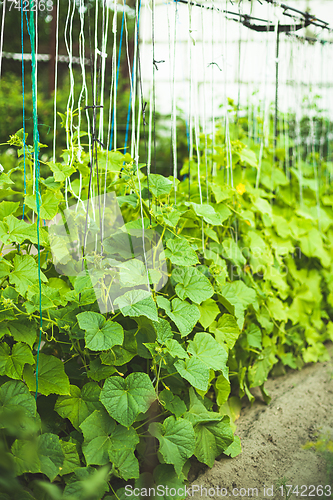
131	397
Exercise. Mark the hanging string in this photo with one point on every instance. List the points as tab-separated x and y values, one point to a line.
105	25
204	130
131	75
154	78
118	69
55	84
174	114
23	112
32	35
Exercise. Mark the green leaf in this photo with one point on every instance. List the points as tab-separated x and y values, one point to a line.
23	331
8	208
12	363
194	371
137	303
198	413
208	213
226	330
126	463
163	330
71	457
222	387
87	483
125	398
177	441
192	284
211	439
61	172
101	334
159	185
180	252
184	315
25	273
258	372
98	371
14	395
134	273
208	312
80	404
52	378
232	252
171	219
253	334
175	349
236	297
48	207
248	156
165	475
104	439
209	351
234	449
25	456
14	230
50	455
172	403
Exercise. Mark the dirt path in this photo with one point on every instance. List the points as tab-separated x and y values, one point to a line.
272	437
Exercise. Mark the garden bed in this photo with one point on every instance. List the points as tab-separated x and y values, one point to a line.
272	436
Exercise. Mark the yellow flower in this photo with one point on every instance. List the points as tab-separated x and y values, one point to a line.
240	188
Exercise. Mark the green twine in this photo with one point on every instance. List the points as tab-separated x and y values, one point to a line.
32	35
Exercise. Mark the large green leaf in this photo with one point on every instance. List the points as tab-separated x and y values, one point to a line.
52	378
208	213
172	403
194	371
48	207
177	441
14	395
198	413
236	297
80	404
192	284
71	457
184	315
163	330
87	482
159	185
12	361
180	252
258	372
125	398
226	330
134	273
232	252
137	303
24	273
50	454
209	351
43	455
23	331
14	230
61	171
100	334
211	439
213	433
208	312
8	208
104	440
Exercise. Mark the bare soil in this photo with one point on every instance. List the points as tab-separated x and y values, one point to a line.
272	437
